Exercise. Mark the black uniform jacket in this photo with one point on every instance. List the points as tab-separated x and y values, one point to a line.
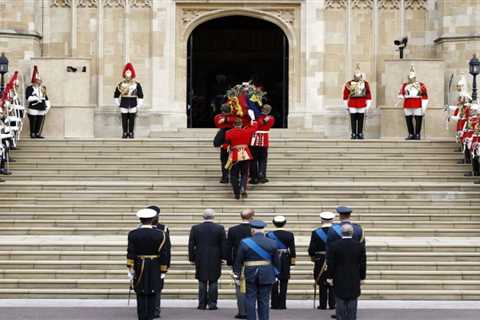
347	266
205	248
147	254
235	235
286	256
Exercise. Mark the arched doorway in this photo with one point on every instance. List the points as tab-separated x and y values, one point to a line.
230	50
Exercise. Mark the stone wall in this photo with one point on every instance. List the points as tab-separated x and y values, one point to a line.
327	39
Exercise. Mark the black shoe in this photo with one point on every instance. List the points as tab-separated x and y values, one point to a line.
264	180
321	308
253	181
40	137
33	136
417	137
353	136
224	180
239	316
1	180
461	162
360	136
244	194
410	137
212	307
237	196
124	135
202	307
476	174
130	135
333	316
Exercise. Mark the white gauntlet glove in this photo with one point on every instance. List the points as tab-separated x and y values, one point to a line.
131	275
117	102
139	103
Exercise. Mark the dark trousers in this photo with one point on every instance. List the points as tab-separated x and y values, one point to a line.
145	306
128	122
36	124
414	129
346	309
223	161
239	176
476	166
158	300
326	294
207	293
279	294
357	120
259	164
258	294
240	301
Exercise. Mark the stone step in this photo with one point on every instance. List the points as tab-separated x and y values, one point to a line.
190	274
276	208
174	293
180	255
374	231
228	284
173	219
184	227
214	177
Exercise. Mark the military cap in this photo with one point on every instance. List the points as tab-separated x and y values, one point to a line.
146	213
279	219
157	209
258	224
344	210
327	215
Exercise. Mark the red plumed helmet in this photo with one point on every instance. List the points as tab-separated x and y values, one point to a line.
130	67
35	74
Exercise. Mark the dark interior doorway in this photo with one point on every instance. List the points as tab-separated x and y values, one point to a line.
227	51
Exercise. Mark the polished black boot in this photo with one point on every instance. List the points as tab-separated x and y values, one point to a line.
124	125
353	121
418	127
411	133
33	123
131	125
39	127
361	118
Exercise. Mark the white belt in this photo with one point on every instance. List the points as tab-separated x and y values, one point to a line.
262	132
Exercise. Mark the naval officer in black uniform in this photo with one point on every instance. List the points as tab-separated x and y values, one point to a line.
257	266
286	256
335	232
146	262
156	224
317	253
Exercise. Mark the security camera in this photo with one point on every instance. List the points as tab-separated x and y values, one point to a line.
401	44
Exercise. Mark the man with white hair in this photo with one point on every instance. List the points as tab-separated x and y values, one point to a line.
205	250
347	268
235	235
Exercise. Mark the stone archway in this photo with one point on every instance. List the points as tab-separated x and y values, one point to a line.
190	15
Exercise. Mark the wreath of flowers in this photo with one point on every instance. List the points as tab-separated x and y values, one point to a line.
244	97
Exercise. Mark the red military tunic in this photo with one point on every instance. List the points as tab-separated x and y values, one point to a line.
262	136
463	113
357	93
414	94
224	122
239	139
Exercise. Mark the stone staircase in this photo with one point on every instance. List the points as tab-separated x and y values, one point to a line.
65	212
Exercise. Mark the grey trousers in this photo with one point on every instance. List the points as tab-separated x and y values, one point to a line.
346	309
240	301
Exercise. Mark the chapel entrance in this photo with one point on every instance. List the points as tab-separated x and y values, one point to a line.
230	50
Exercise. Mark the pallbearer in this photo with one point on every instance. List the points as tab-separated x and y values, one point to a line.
147	262
286	257
415	103
261	142
128	97
224	121
38	104
317	252
357	98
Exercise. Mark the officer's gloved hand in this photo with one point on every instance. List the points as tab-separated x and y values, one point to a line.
131	275
330	282
162	276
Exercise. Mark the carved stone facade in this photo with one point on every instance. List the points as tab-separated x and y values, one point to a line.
326	38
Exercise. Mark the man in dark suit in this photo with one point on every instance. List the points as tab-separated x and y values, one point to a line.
146	262
256	266
347	268
157	225
235	235
317	253
286	256
205	249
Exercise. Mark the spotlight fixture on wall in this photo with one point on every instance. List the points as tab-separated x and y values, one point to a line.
71	69
401	44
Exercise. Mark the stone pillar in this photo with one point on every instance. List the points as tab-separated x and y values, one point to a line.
429	72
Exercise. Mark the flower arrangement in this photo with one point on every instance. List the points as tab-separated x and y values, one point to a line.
244	97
